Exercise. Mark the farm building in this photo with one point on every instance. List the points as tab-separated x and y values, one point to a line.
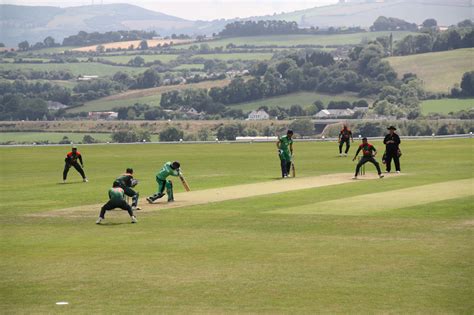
103	115
258	115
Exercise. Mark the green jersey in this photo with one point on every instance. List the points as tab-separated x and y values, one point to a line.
116	194
167	171
285	143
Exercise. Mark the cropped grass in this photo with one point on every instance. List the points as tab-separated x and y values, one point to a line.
235	256
439	71
236	56
77	69
446	105
303	99
294	40
54	137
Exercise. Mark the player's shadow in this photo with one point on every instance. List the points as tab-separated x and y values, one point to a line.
69	183
113	223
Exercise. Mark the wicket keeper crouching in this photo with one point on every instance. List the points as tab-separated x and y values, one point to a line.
127	182
167	170
116	200
368	153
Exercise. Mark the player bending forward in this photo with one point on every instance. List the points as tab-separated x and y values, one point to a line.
127	182
71	160
167	170
116	200
368	153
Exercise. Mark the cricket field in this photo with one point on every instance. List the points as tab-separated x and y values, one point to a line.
243	240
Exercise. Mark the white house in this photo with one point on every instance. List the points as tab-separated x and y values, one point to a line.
334	113
258	115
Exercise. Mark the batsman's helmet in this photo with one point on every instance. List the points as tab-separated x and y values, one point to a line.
116	184
175	165
129	170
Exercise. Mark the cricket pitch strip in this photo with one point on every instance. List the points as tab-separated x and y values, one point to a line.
199	197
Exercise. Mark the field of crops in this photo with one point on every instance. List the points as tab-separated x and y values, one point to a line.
402	244
439	71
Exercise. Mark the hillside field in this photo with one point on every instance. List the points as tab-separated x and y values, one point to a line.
77	69
303	99
438	70
150	96
134	43
402	244
293	40
446	105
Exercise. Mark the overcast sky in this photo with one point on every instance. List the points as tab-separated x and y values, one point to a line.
197	9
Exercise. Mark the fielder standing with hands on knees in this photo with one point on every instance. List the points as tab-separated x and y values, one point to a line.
285	152
392	150
368	153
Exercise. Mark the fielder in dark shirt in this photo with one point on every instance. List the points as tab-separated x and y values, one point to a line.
368	153
71	160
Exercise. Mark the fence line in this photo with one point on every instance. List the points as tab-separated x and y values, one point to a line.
439	137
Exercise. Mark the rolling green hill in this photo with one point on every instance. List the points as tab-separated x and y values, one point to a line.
438	70
446	12
303	99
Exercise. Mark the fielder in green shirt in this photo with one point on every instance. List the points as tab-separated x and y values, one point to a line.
167	170
116	200
285	152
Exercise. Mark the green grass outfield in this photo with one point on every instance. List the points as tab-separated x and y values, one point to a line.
300	98
438	70
252	255
53	137
80	68
293	40
446	105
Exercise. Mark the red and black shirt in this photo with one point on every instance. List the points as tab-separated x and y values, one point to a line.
72	157
367	150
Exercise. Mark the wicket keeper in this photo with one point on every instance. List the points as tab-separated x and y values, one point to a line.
116	200
167	170
127	182
368	153
285	152
345	136
71	160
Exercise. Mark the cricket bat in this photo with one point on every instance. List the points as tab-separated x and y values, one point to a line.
293	172
184	182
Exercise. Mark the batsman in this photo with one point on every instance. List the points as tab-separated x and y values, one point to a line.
285	152
169	168
127	183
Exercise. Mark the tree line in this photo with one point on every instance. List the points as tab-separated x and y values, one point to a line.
277	27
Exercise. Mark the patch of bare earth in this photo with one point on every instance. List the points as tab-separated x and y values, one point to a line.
207	196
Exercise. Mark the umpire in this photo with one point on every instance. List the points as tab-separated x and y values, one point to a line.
392	150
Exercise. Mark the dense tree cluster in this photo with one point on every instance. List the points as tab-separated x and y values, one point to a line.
84	39
383	23
453	38
29	74
277	27
38	90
